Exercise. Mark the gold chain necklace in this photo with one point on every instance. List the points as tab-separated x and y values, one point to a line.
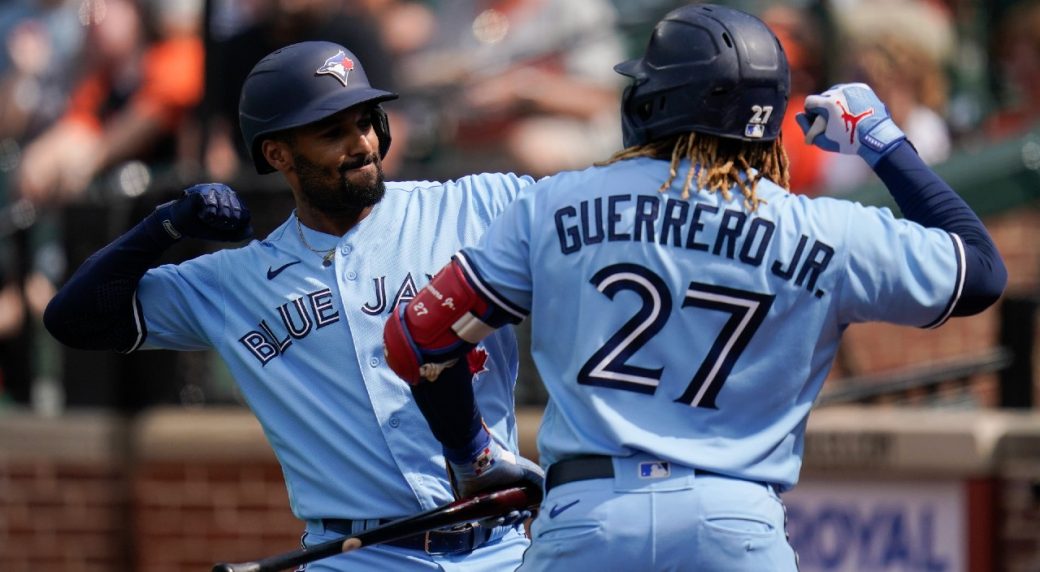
327	254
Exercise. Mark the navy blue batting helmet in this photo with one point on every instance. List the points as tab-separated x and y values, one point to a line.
300	84
709	69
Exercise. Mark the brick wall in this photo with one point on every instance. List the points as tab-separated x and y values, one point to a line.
175	491
191	513
64	498
206	489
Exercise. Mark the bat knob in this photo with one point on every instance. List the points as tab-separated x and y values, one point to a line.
818	126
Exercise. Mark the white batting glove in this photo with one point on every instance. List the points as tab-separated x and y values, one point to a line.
849	118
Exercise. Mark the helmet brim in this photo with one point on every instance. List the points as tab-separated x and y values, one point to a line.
631	68
335	103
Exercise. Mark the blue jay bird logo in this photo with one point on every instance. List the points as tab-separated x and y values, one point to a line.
338	66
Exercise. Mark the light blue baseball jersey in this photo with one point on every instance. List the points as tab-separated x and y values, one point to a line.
697	330
304	342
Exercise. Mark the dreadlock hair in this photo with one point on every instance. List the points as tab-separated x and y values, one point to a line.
717	162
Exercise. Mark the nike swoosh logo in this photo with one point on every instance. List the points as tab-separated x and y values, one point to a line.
271	273
556	510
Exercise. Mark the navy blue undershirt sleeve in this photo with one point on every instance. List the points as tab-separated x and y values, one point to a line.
95	309
927	200
450	408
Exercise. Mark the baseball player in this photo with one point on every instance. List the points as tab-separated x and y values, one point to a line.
298	316
686	307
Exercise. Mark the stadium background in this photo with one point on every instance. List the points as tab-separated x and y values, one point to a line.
923	455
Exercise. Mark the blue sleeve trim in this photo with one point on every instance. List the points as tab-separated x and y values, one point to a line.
516	312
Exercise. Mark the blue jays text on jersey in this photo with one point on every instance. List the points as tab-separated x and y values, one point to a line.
299	317
303	314
731	233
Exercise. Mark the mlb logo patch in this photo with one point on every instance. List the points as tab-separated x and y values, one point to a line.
754	131
654	470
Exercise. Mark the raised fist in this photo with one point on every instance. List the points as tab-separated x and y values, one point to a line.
849	119
210	211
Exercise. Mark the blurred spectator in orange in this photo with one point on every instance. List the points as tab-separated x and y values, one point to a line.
799	33
269	24
900	48
525	85
1017	52
143	74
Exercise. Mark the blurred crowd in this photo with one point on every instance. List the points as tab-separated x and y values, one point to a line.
110	103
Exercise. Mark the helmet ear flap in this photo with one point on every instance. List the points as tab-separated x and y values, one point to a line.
381	123
634	115
645	110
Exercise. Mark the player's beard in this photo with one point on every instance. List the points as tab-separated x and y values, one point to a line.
340	196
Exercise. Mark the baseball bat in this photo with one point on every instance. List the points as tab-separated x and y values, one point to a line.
458	512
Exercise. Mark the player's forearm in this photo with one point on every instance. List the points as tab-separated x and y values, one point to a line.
450	409
94	310
928	200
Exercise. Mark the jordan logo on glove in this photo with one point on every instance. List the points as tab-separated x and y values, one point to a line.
852	120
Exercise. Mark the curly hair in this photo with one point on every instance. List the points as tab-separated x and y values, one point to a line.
718	163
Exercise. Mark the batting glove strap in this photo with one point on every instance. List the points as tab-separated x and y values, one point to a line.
470	452
880	141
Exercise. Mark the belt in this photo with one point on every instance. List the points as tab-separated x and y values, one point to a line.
587	467
446	541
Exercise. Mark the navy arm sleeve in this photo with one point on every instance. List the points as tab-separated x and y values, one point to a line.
927	200
96	309
450	409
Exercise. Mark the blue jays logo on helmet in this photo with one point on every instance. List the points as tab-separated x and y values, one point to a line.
338	66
